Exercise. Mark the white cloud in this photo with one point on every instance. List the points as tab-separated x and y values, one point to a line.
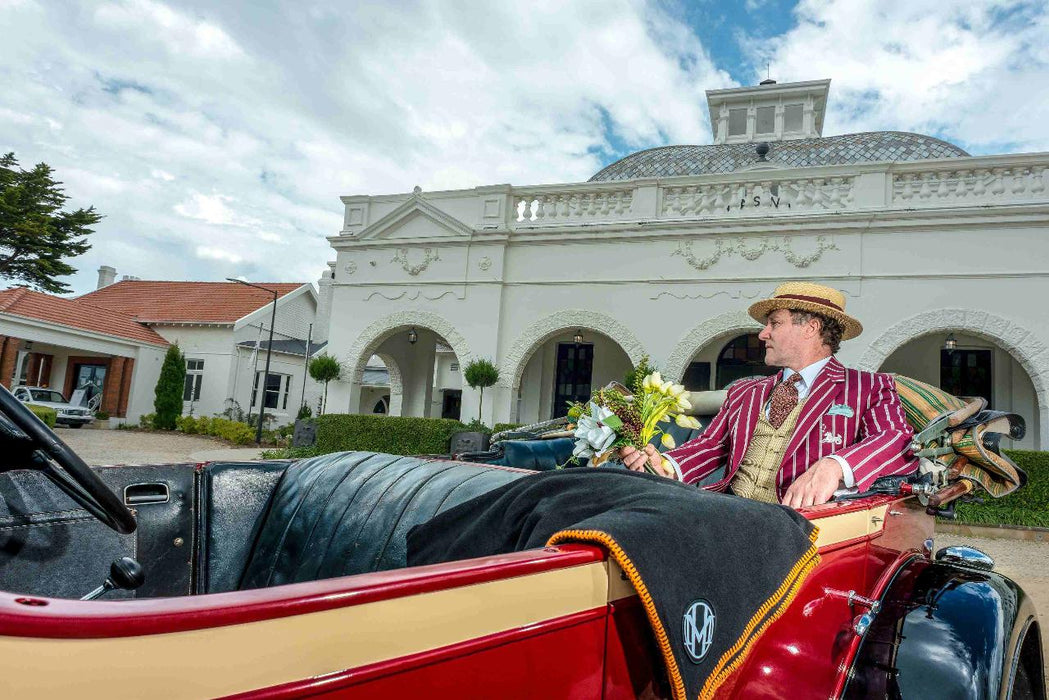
217	137
211	253
969	72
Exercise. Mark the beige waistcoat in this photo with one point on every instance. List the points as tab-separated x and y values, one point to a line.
756	477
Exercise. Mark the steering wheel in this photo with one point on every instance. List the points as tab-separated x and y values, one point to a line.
64	468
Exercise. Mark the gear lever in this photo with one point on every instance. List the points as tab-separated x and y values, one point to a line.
124	573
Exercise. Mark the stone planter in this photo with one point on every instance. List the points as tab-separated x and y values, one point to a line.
469	442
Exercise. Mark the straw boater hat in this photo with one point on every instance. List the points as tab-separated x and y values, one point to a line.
806	296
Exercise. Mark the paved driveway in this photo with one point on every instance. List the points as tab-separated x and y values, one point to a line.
132	447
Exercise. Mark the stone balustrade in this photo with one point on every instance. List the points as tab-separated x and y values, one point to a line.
572	206
968	185
863	187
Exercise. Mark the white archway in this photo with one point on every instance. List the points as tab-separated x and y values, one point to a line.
732	322
1032	355
369	340
535	335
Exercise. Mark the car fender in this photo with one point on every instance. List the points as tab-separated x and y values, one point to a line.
947	631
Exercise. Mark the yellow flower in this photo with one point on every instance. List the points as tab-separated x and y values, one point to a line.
683	421
664	388
668	441
683	404
656	379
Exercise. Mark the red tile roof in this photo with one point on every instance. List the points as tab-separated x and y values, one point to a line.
152	301
75	313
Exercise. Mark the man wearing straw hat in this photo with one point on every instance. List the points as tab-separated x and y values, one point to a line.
797	436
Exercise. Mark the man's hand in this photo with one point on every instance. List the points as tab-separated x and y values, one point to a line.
815	486
637	459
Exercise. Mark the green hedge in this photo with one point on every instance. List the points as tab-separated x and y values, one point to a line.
1028	506
48	415
236	432
500	427
391	434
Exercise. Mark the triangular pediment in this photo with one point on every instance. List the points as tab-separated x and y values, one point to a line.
416	219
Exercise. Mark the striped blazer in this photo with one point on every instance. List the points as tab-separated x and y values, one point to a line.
874	439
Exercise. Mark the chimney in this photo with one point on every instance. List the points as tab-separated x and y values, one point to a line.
106	276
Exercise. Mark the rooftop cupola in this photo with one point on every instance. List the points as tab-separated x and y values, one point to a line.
768	112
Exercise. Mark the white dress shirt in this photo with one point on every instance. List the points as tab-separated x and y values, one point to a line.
808	376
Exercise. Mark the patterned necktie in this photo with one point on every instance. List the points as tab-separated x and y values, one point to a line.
784	399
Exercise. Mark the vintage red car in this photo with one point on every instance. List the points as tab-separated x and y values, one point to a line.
257	585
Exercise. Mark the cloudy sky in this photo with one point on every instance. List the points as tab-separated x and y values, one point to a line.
216	137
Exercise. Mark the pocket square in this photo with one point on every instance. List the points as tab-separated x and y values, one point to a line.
840	409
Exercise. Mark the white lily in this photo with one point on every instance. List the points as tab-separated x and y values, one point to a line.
677	390
664	388
683	421
582	449
683	404
657	380
593	430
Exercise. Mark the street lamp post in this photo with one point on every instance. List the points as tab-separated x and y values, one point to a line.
269	351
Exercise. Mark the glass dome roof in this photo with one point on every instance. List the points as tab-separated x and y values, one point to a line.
873	146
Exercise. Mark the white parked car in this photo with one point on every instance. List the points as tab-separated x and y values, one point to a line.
68	414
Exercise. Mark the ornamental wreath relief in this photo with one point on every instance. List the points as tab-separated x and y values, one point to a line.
722	249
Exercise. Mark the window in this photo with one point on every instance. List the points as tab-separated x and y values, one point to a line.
194	376
744	356
697	376
277	386
766	122
454	367
966	373
792	117
737	122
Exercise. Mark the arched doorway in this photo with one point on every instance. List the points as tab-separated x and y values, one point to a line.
412	371
568	366
974	366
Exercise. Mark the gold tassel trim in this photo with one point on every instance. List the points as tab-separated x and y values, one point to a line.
783	597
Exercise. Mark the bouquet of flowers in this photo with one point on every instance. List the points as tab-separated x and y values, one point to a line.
614	417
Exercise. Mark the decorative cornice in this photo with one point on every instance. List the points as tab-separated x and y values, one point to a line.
513	364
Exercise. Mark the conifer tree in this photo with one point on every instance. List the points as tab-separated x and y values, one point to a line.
168	393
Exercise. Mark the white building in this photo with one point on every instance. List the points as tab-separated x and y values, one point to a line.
659	254
113	340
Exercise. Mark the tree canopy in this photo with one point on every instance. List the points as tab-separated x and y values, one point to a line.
35	234
325	368
479	374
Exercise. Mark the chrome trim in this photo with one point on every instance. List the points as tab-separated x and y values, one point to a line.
965	556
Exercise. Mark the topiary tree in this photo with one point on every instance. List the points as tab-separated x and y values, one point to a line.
479	374
167	400
325	368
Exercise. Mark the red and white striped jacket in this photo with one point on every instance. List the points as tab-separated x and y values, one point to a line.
874	439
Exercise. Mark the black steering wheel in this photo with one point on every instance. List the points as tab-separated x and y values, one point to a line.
61	465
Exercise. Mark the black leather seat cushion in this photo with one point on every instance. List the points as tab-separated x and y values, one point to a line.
349	513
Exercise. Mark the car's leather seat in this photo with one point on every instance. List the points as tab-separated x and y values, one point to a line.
349	513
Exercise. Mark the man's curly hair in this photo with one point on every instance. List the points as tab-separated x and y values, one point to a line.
831	329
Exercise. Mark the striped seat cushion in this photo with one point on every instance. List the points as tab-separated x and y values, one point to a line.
973	432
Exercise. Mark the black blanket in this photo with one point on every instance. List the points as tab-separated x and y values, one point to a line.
712	570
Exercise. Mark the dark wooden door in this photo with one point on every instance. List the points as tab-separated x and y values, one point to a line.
966	373
575	365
